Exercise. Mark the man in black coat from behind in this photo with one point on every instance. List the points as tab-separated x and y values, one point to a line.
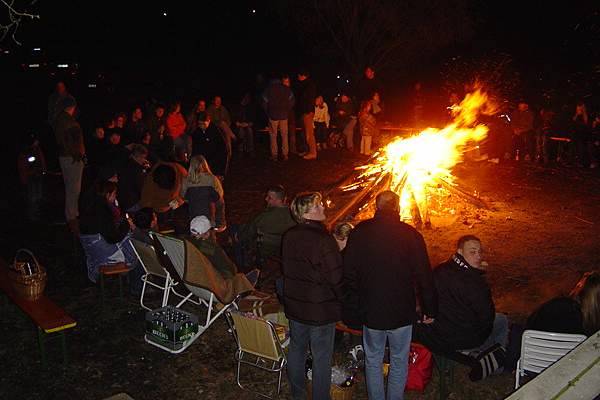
383	261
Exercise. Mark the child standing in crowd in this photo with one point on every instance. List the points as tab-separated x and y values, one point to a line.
321	121
368	127
204	193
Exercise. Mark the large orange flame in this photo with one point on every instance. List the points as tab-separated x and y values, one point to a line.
419	162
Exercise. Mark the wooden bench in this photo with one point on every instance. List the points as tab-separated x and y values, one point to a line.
48	318
119	269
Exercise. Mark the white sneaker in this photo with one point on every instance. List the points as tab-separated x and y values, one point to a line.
357	353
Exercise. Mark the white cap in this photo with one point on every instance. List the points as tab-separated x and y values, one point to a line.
199	225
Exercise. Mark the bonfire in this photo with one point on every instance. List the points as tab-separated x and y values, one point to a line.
418	168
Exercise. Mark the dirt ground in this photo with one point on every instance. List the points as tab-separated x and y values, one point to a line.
540	234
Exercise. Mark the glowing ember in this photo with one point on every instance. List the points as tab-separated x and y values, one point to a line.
425	161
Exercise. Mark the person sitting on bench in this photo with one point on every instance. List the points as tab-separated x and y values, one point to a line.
105	231
466	318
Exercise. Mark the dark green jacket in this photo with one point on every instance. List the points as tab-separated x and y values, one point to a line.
267	229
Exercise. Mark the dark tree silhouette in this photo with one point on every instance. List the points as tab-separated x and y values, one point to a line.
382	33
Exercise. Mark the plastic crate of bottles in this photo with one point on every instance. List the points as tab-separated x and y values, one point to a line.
170	327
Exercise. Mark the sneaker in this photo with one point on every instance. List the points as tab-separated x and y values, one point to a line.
252	276
494	160
310	157
357	353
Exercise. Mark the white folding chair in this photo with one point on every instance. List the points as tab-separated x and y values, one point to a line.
174	248
540	349
155	274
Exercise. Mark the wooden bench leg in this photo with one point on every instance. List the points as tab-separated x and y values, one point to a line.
446	374
42	345
43	336
102	290
63	345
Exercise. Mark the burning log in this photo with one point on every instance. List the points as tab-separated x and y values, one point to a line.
412	166
476	201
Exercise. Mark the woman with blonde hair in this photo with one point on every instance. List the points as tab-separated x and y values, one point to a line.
203	192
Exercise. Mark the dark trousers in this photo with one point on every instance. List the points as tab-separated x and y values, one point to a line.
321	132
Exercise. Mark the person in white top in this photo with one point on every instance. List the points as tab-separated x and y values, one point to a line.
321	122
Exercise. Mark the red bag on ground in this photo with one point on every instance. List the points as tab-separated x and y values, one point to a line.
420	367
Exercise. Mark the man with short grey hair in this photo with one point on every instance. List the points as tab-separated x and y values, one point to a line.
383	261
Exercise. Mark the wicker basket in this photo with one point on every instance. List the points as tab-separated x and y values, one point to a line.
27	277
336	392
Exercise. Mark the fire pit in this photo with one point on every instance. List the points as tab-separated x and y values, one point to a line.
418	168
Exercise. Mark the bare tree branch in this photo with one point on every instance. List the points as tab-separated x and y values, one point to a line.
14	20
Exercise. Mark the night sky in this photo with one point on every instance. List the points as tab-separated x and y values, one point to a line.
219	46
220	33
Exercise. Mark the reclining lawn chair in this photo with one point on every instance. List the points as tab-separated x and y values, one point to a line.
156	275
206	285
259	344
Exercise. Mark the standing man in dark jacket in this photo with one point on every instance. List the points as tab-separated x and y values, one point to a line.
466	308
383	260
307	93
131	179
278	100
208	141
71	150
312	278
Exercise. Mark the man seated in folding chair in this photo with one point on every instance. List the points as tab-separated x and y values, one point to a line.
206	284
200	236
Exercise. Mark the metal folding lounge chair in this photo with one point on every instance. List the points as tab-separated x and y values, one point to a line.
259	344
174	248
540	349
156	275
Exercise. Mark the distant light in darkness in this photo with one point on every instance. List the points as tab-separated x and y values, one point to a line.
253	11
164	14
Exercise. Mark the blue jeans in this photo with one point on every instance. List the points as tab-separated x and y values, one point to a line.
374	345
499	333
320	339
99	252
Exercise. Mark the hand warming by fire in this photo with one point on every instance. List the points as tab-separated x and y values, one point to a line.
419	167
